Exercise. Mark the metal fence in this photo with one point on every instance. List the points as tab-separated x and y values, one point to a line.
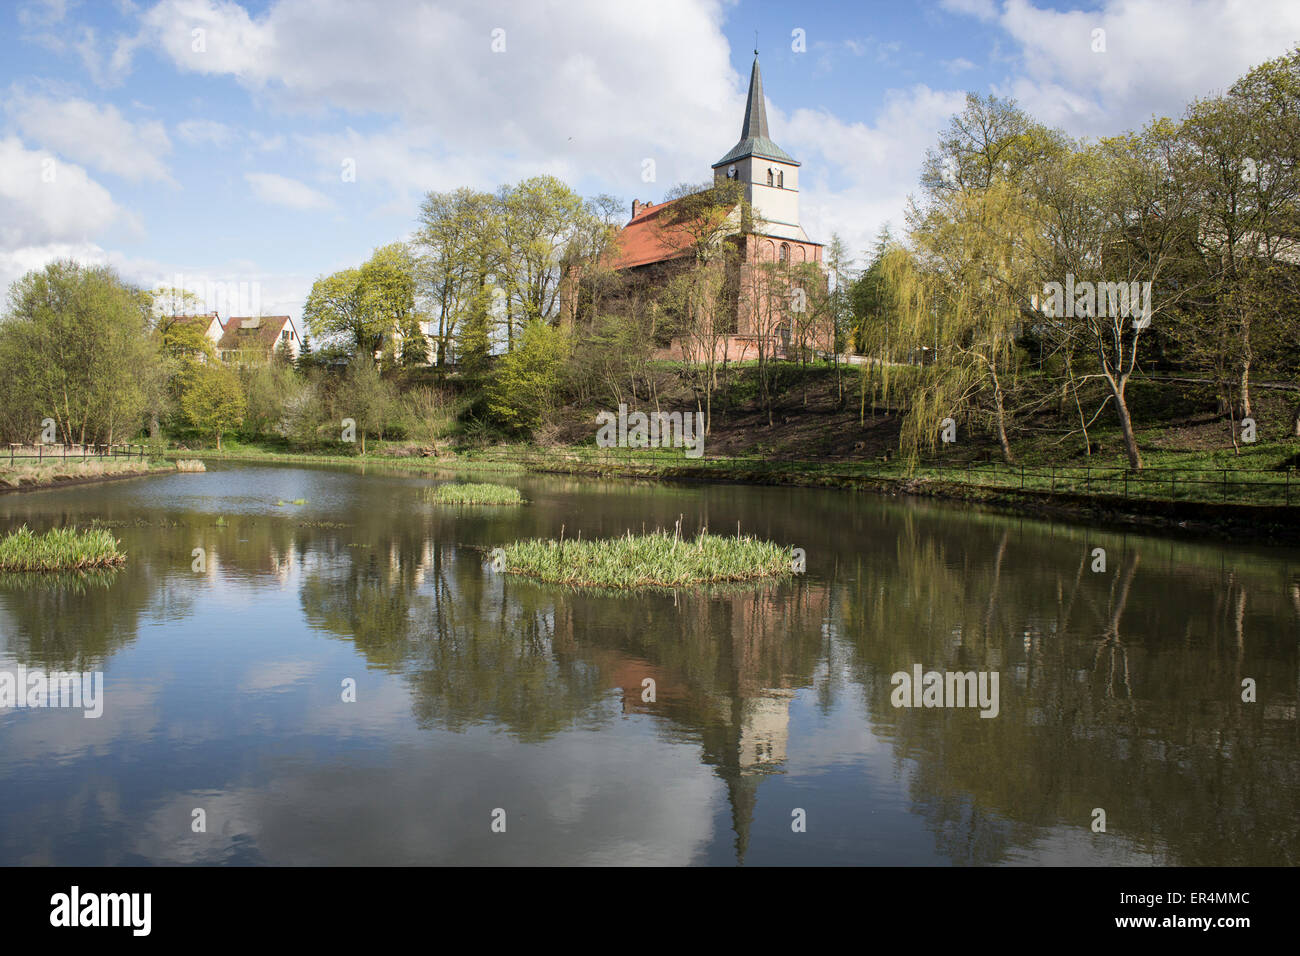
73	452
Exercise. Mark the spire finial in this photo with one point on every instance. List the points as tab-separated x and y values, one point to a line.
755	43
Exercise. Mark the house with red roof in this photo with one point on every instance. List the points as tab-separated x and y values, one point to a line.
252	340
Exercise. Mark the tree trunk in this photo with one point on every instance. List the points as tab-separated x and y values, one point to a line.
1245	389
1002	422
1295	422
1126	426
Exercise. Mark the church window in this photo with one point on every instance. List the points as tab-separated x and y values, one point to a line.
780	178
771	177
785	252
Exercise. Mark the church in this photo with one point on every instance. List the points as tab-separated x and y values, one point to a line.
653	247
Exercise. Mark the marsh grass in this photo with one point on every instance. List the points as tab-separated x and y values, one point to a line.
190	465
472	493
55	471
60	549
661	559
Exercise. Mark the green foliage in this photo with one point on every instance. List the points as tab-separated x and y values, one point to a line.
471	493
366	398
658	560
60	549
212	400
526	384
75	346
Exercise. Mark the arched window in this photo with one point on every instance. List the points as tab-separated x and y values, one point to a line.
785	252
780	179
770	176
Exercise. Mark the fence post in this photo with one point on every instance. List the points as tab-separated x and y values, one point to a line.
1225	484
1087	480
1022	476
1053	479
1126	483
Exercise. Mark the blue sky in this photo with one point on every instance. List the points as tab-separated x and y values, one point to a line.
209	140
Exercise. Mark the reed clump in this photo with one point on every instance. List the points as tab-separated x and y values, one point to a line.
60	549
475	493
660	559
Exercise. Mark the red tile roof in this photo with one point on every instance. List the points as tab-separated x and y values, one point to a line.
264	335
649	238
202	321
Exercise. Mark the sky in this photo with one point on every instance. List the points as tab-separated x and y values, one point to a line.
207	143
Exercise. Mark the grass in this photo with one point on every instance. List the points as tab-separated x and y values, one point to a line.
61	549
1257	476
472	493
237	451
190	465
56	471
658	560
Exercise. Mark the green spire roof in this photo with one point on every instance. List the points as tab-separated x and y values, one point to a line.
754	140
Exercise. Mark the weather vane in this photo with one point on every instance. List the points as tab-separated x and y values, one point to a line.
755	43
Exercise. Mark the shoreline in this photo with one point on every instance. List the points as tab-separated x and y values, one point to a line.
1261	524
66	481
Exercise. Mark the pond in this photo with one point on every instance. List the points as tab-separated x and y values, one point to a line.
350	681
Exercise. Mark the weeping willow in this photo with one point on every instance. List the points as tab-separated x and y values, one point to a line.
963	289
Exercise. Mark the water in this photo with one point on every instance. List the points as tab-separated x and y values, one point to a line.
478	692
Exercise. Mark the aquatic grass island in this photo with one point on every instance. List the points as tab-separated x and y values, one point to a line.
475	493
60	549
656	560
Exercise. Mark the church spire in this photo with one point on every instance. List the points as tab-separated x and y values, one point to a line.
755	107
754	138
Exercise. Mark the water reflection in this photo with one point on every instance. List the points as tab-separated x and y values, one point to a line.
1120	689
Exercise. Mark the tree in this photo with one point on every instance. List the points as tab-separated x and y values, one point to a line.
963	290
169	303
365	397
459	241
537	223
336	312
527	382
387	299
212	400
1118	211
75	346
702	222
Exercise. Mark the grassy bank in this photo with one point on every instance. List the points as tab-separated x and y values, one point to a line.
661	559
383	456
48	474
475	494
61	549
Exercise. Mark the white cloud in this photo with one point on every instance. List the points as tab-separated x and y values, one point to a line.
283	191
980	9
1157	57
653	79
876	165
98	136
42	13
44	200
201	132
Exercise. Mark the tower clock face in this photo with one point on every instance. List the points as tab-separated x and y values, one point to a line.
731	171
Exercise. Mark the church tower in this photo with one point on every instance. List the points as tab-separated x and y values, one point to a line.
769	174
